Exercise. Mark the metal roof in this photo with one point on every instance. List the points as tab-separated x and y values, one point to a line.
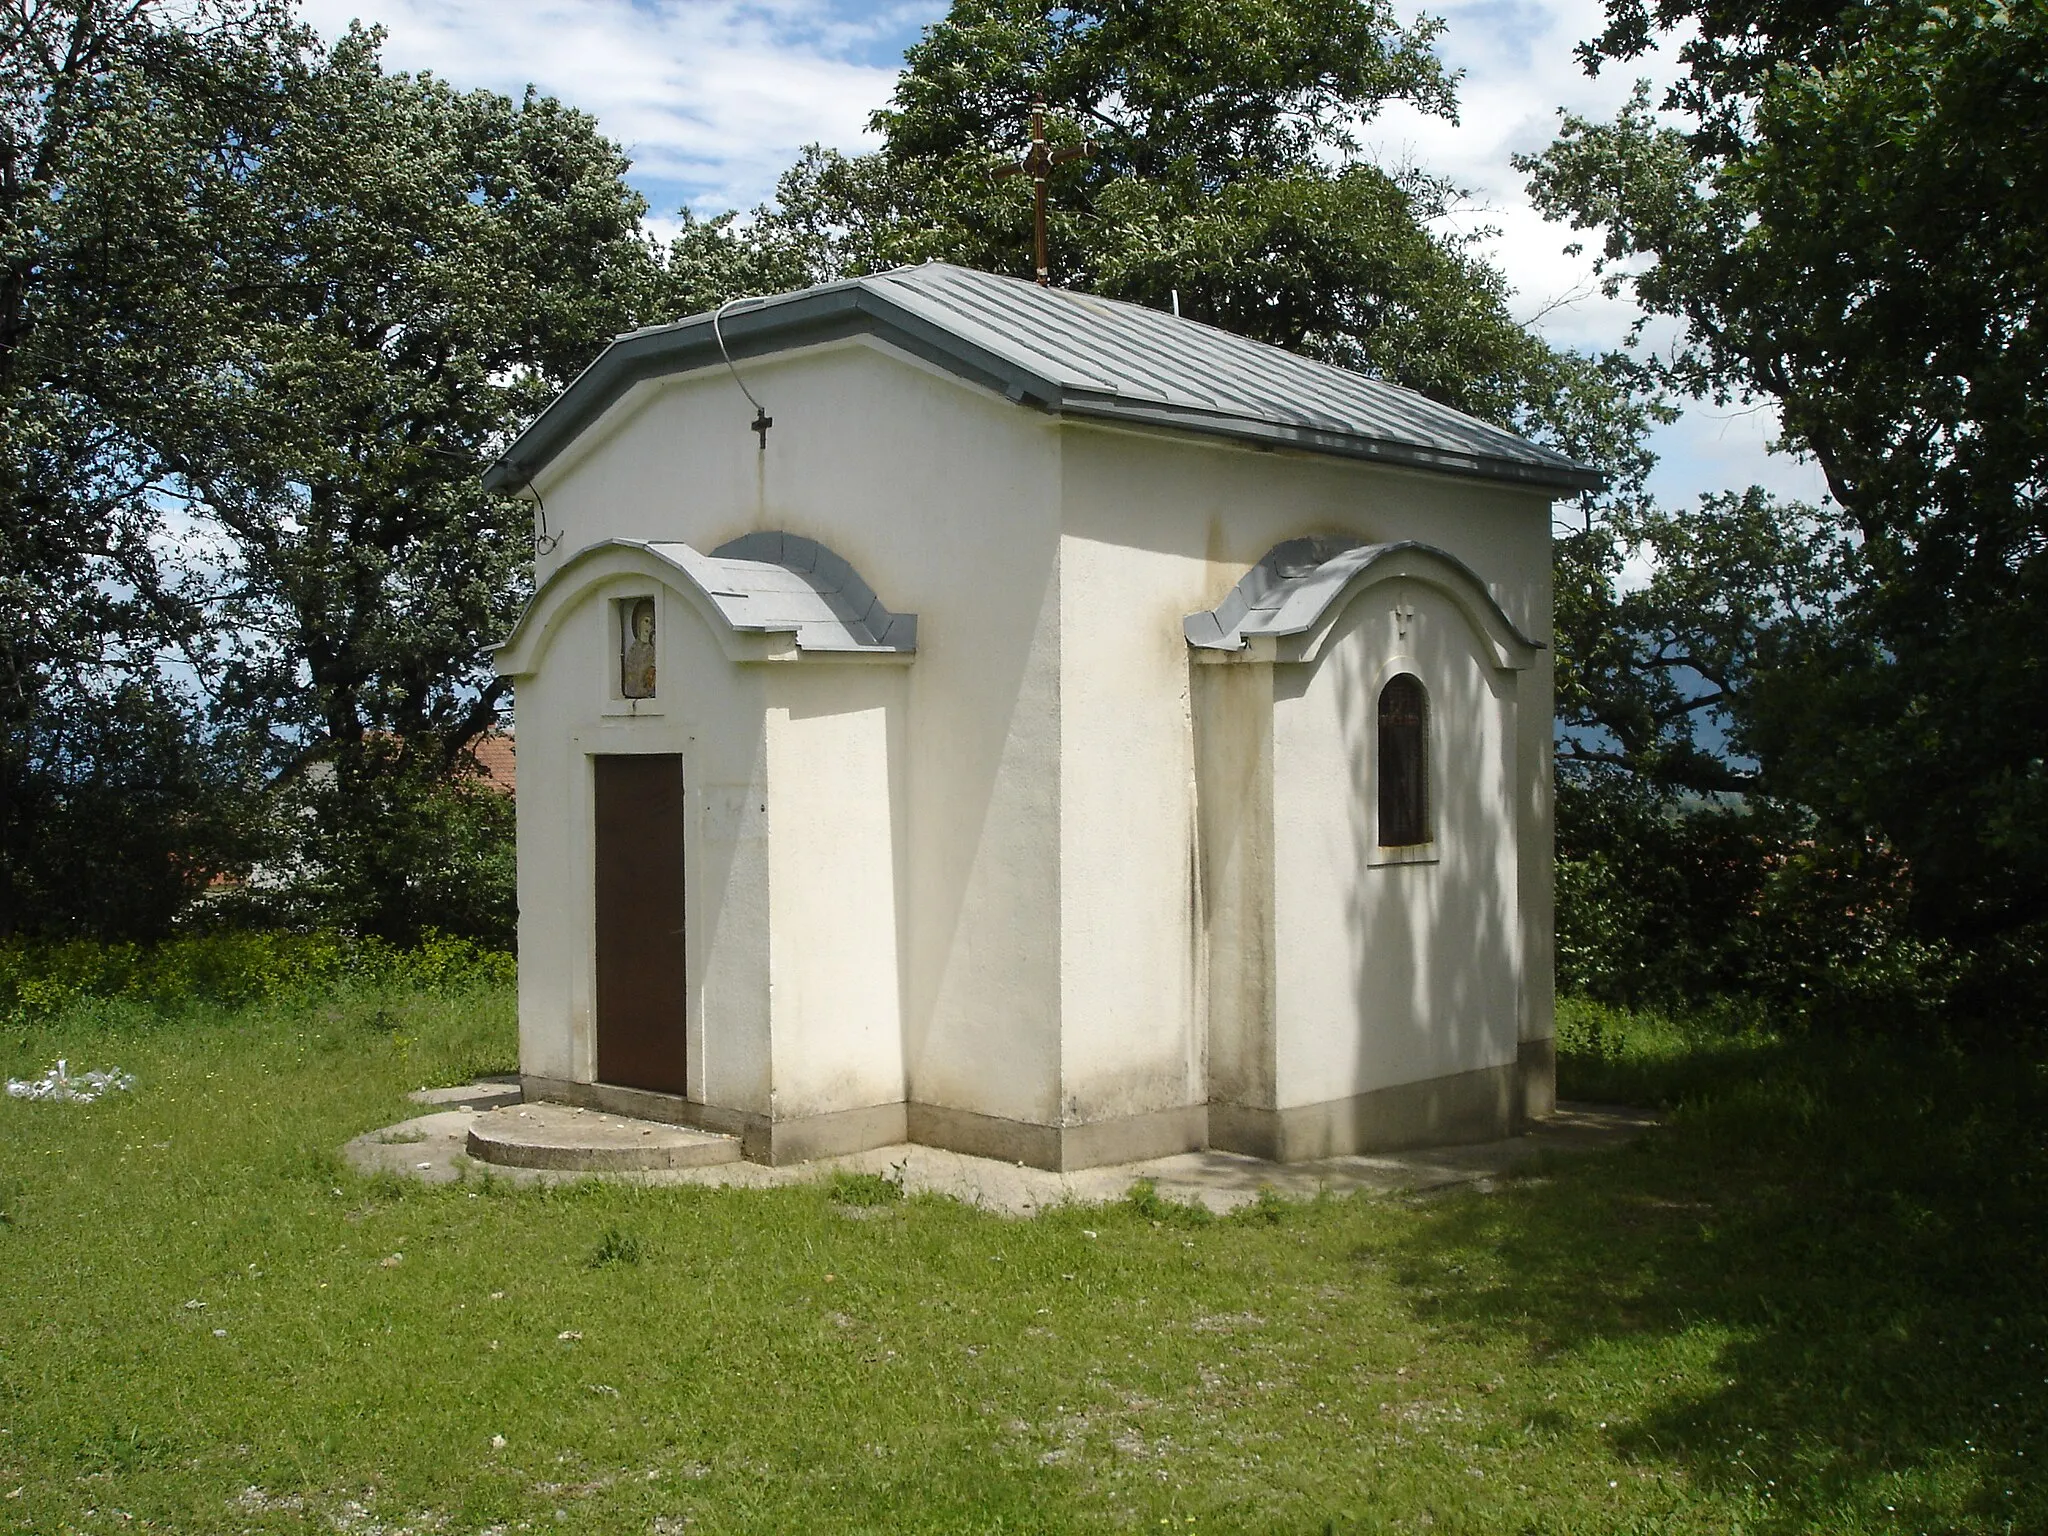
780	583
1075	355
1301	584
759	585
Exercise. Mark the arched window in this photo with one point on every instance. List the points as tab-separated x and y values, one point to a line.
1404	762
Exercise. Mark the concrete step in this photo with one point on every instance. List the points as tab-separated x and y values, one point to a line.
484	1093
560	1137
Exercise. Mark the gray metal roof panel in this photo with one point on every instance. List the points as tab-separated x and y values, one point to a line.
784	583
1296	582
1075	354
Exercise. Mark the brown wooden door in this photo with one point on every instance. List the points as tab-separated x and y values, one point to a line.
641	992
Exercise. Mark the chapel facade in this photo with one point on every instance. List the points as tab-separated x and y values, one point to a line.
965	712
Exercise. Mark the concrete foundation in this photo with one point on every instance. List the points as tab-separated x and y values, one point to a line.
1460	1109
433	1149
1443	1111
559	1137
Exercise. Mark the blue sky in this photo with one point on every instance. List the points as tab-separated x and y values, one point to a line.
713	98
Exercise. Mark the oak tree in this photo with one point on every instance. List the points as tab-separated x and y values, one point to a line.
1843	206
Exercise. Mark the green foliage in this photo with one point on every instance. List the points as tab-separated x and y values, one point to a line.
1613	1054
1665	903
264	310
40	980
1655	678
1183	102
846	1186
1267	1208
380	841
417	269
1145	1201
121	121
1792	1308
616	1247
114	811
712	260
1843	205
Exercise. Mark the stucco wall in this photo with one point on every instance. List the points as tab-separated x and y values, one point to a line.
1168	953
1392	972
835	885
710	712
1233	726
944	498
1131	980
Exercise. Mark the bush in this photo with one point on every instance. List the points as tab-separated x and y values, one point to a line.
616	1247
1144	1200
115	812
1664	903
231	970
382	842
847	1187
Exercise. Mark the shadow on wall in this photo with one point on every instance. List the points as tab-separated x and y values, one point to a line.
983	777
1435	949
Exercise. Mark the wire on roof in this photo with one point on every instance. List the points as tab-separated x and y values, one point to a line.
762	420
543	542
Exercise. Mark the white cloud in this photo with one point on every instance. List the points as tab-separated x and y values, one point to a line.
712	98
1516	56
1725	448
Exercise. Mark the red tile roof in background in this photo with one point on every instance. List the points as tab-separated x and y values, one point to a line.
496	760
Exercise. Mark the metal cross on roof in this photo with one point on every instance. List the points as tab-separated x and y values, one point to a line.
1037	163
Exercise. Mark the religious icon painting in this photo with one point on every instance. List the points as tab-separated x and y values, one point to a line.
636	648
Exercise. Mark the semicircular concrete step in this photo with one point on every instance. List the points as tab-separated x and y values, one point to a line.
567	1139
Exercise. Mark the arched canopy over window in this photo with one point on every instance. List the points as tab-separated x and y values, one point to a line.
1404	762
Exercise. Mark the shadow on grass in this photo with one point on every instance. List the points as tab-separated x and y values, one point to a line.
1841	1248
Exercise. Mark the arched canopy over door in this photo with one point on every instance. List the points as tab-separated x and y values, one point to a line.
766	596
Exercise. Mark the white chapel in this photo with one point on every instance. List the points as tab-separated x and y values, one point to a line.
965	712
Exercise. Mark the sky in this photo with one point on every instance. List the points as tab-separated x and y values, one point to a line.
712	99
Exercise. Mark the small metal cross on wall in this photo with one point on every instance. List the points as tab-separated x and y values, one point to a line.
1037	163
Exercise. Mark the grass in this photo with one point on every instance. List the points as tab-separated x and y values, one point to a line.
1817	1301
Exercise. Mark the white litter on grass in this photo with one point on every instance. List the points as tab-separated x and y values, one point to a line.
58	1086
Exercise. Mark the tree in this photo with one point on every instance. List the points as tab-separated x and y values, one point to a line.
1656	676
417	270
264	311
412	271
120	124
1224	177
1843	205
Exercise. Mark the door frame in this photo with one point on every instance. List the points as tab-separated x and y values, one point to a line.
635	738
640	860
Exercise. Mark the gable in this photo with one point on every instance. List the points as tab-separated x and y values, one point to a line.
1070	355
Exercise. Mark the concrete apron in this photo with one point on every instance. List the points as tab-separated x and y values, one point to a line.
436	1148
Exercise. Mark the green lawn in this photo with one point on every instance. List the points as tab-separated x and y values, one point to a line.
1817	1301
